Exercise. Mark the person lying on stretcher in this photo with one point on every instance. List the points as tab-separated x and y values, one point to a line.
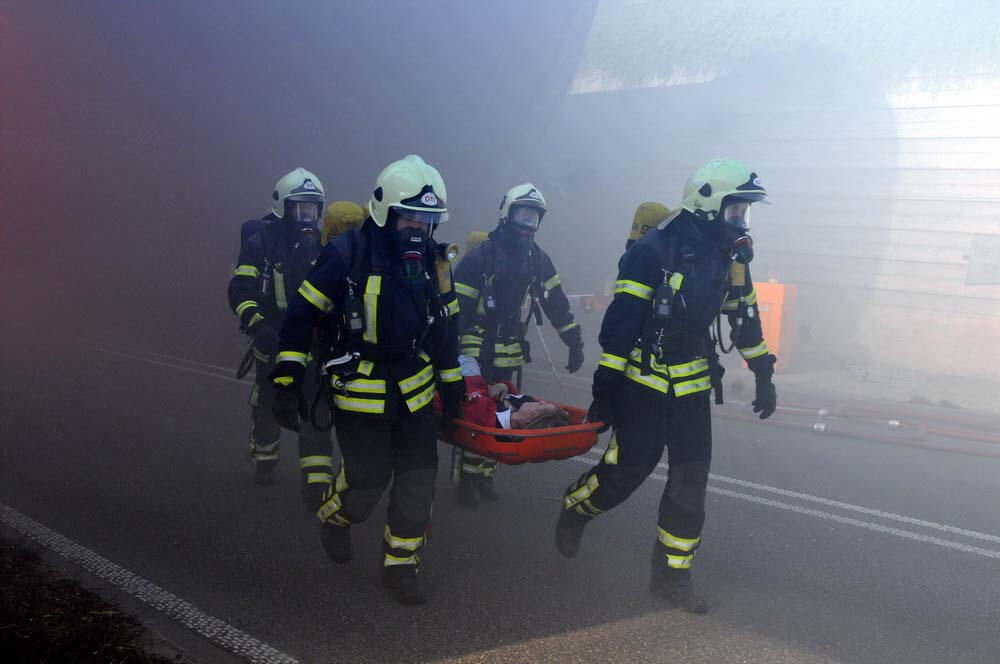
496	406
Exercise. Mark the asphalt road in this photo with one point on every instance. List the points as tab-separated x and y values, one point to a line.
817	547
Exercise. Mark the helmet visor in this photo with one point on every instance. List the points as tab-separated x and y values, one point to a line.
528	218
737	215
422	216
304	213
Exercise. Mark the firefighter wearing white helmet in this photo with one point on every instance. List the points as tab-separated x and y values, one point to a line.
659	363
276	254
386	291
493	282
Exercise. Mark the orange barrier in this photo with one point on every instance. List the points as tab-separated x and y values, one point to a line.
776	303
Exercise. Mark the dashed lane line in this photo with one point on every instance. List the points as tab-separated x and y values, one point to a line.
877	527
218	631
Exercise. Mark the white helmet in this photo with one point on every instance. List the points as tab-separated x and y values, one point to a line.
706	190
299	185
409	184
527	196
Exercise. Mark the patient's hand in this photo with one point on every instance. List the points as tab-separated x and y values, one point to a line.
497	391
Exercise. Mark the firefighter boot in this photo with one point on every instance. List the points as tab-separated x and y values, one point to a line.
674	585
569	532
488	489
404	582
468	491
337	542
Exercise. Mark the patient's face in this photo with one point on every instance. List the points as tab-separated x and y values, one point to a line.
530	412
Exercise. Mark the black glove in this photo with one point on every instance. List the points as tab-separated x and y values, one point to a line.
607	383
765	396
289	406
265	338
575	358
452	396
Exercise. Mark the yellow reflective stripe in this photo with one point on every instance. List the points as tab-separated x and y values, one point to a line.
692	386
419	401
612	361
365	385
687	369
315	460
581	493
471	351
652	380
284	381
262	357
507	348
341	482
680	562
565	328
328	508
731	305
754	351
365	367
611	454
466	290
243	306
405	543
417	379
372	290
450	375
256	318
453	308
292	356
675	542
751	298
396	560
471	340
641	291
356	405
552	283
424	356
508	362
280	298
675	281
315	297
319	478
246	271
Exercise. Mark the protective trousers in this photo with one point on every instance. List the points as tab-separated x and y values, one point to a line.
315	447
646	422
375	452
468	463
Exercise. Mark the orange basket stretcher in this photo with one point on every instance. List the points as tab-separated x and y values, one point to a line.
517	446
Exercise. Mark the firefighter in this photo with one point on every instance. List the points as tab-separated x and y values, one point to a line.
272	264
653	380
493	281
388	287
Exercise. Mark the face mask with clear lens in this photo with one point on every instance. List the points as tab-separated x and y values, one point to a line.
305	213
525	217
737	215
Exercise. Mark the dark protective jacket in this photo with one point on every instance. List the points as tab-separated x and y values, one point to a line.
669	355
491	269
410	335
270	269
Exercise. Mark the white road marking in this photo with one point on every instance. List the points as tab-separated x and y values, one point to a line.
898	532
219	632
845	506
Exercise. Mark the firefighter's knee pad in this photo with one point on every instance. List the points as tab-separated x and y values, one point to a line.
687	485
